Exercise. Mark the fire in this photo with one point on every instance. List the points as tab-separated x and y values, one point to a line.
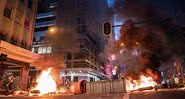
46	83
144	81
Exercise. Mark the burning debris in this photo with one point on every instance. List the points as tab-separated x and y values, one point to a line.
45	83
143	82
49	83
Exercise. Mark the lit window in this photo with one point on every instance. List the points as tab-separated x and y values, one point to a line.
49	49
33	49
40	50
44	50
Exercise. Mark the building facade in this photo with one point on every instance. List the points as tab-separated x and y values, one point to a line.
17	19
77	37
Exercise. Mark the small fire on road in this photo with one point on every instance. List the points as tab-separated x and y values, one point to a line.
142	82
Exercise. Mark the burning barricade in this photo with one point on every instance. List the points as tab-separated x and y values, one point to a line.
143	83
46	84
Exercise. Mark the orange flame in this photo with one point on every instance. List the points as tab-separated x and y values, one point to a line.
46	83
144	81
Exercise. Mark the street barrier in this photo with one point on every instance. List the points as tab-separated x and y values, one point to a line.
111	86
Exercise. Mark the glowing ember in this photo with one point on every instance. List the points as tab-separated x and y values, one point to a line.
61	90
143	82
46	83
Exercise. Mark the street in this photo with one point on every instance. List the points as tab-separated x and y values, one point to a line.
161	94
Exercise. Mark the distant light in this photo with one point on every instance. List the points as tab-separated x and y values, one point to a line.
137	43
110	3
114	71
52	29
122	44
52	6
80	71
113	57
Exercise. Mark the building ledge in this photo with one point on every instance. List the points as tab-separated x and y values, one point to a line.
17	53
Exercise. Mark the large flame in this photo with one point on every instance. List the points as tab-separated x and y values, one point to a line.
142	82
46	83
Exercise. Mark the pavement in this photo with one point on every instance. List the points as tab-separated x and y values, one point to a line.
160	94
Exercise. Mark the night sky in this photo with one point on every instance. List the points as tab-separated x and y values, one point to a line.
172	8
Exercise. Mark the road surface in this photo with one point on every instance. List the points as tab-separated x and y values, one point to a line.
161	94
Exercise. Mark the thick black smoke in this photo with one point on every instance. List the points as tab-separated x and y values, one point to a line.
148	31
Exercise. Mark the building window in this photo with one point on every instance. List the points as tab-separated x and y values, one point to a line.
75	79
44	50
7	11
23	1
3	37
34	39
30	3
91	79
13	41
33	49
36	49
84	28
82	44
40	50
78	20
49	49
68	78
69	56
18	17
42	38
27	23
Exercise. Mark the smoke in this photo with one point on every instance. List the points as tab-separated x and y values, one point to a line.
149	38
62	41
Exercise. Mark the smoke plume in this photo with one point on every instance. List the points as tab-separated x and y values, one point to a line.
149	38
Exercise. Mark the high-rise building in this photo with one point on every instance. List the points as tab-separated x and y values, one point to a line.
17	19
73	30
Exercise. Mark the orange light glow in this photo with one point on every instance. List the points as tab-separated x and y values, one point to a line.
46	83
144	81
61	90
122	44
52	30
72	88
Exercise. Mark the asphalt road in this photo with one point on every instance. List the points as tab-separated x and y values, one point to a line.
161	94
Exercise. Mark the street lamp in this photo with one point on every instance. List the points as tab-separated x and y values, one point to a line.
52	30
